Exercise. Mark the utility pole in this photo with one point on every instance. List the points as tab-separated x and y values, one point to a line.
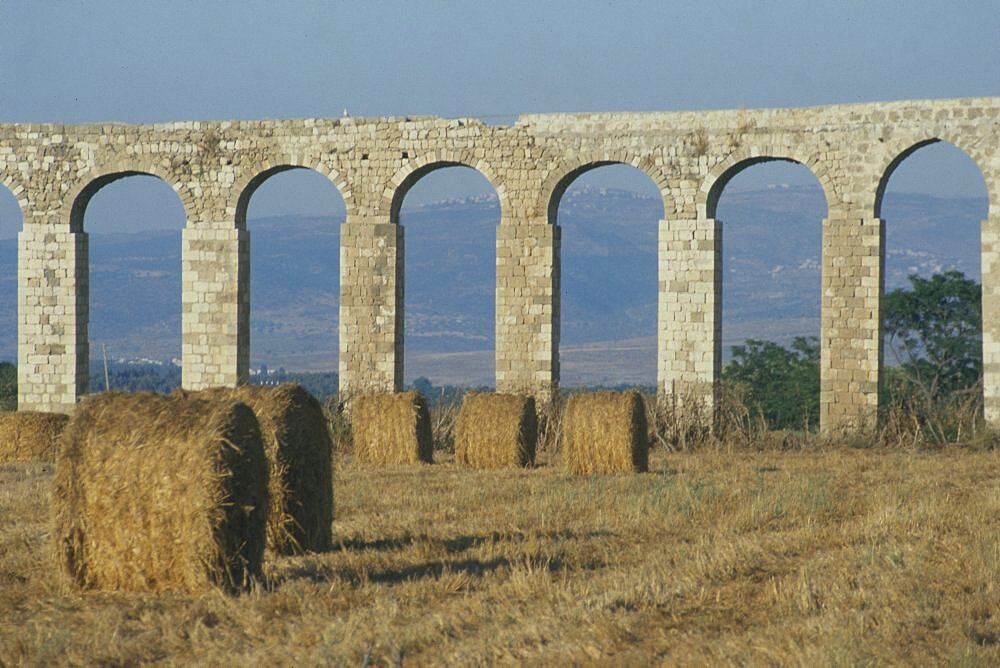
107	379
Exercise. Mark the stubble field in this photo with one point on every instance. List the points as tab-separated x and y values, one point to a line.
834	557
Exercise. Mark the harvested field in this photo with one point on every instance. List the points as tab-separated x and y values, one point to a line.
836	557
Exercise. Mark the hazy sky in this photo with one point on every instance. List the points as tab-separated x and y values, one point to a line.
137	61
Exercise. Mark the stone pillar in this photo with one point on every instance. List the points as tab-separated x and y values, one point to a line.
851	327
371	306
215	302
527	309
991	319
689	340
52	307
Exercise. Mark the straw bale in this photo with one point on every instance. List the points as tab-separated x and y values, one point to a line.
27	435
298	449
155	493
496	431
605	432
392	429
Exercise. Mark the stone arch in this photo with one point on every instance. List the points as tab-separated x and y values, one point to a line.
78	199
902	149
418	295
559	180
19	193
246	186
416	168
723	172
80	195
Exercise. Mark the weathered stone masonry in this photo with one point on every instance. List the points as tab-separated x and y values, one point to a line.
53	170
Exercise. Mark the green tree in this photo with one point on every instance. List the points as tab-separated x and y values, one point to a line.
779	384
934	331
8	386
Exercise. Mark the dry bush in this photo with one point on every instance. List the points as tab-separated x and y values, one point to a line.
550	414
27	435
392	429
444	419
743	126
157	493
739	426
955	420
338	423
605	432
684	423
299	455
699	142
742	428
656	428
496	431
681	422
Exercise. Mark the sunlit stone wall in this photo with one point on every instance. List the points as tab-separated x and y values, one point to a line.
53	170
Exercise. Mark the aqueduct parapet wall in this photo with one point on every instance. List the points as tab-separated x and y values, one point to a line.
53	170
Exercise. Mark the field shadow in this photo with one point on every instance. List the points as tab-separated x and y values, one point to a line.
458	544
479	567
435	569
462	543
318	571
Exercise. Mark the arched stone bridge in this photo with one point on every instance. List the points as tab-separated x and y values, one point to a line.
54	170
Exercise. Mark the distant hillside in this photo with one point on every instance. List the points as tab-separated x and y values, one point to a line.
771	280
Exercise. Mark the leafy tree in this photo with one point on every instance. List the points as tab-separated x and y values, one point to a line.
321	384
424	386
8	386
446	395
779	384
934	330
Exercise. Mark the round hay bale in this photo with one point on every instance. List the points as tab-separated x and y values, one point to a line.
392	429
496	431
605	432
28	436
299	451
155	493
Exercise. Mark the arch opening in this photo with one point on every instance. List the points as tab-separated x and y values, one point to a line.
933	198
450	212
11	222
609	214
934	167
294	216
771	212
746	173
291	189
458	181
132	314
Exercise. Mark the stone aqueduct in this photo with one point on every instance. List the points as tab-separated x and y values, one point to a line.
54	170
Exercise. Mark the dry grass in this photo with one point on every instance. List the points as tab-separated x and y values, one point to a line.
932	424
496	431
157	493
390	429
842	557
444	421
28	435
604	432
299	451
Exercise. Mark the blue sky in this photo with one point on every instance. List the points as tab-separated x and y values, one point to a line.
72	61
